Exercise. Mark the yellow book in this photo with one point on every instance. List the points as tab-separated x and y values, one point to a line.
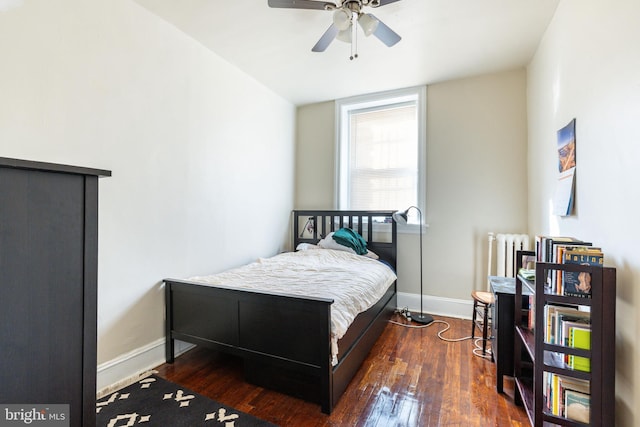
555	410
580	338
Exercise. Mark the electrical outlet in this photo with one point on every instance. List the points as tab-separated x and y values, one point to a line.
404	311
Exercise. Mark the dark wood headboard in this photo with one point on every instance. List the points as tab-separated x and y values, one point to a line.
377	228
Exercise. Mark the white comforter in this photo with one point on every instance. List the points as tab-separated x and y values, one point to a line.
354	282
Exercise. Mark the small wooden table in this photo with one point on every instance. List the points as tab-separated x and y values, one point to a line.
502	325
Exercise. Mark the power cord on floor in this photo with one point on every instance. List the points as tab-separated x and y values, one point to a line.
477	351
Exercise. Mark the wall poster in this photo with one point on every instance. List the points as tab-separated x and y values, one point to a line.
563	200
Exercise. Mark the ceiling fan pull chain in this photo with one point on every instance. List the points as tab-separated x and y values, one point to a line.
354	36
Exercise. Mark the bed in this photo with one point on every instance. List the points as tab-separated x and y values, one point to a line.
288	341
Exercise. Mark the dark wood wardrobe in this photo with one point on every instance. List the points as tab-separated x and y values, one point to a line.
48	285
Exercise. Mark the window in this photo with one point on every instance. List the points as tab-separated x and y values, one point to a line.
381	151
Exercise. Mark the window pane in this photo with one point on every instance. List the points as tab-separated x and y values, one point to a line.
383	157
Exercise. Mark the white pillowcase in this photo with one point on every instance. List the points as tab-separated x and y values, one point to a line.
371	255
329	243
307	247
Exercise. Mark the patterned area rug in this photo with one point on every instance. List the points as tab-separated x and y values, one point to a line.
154	401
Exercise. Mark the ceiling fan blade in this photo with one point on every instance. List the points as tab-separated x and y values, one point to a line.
378	3
326	39
302	4
386	34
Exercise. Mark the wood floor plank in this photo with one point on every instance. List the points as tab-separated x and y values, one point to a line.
410	378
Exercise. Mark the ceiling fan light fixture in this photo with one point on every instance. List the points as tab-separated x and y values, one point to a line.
345	13
342	19
344	35
369	23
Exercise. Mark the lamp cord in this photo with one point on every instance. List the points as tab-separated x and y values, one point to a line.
477	351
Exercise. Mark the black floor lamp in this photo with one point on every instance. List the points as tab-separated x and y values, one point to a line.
401	218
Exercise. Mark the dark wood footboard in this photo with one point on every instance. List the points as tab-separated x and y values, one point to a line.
289	333
283	339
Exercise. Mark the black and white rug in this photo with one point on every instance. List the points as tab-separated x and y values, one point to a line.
154	401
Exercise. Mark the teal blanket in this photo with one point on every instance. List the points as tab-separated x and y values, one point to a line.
349	238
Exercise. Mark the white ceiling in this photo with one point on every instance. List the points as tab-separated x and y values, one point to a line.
441	40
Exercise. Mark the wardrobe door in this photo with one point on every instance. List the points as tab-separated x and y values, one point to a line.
42	289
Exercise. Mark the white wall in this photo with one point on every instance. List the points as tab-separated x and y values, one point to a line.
315	156
202	155
476	174
588	67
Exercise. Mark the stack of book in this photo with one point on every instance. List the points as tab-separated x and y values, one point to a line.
567	397
568	250
569	327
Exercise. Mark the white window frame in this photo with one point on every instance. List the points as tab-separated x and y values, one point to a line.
342	109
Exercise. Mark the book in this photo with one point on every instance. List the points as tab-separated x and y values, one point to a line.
547	389
576	384
555	401
546	252
580	337
566	397
577	406
566	325
578	283
549	243
557	316
559	257
528	274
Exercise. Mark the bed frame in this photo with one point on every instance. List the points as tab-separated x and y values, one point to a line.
250	324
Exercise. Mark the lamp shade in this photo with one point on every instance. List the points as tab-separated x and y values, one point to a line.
341	19
368	23
400	217
344	35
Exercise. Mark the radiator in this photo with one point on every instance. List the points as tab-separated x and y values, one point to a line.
506	247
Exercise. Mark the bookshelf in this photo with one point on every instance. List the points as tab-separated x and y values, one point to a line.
547	374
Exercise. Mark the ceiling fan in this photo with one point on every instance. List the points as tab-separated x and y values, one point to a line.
345	14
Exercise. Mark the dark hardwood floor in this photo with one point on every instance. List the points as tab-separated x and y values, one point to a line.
410	378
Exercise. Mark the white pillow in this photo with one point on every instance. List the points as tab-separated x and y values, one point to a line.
306	247
371	255
329	243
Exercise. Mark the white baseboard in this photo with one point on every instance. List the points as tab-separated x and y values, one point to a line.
130	367
462	309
